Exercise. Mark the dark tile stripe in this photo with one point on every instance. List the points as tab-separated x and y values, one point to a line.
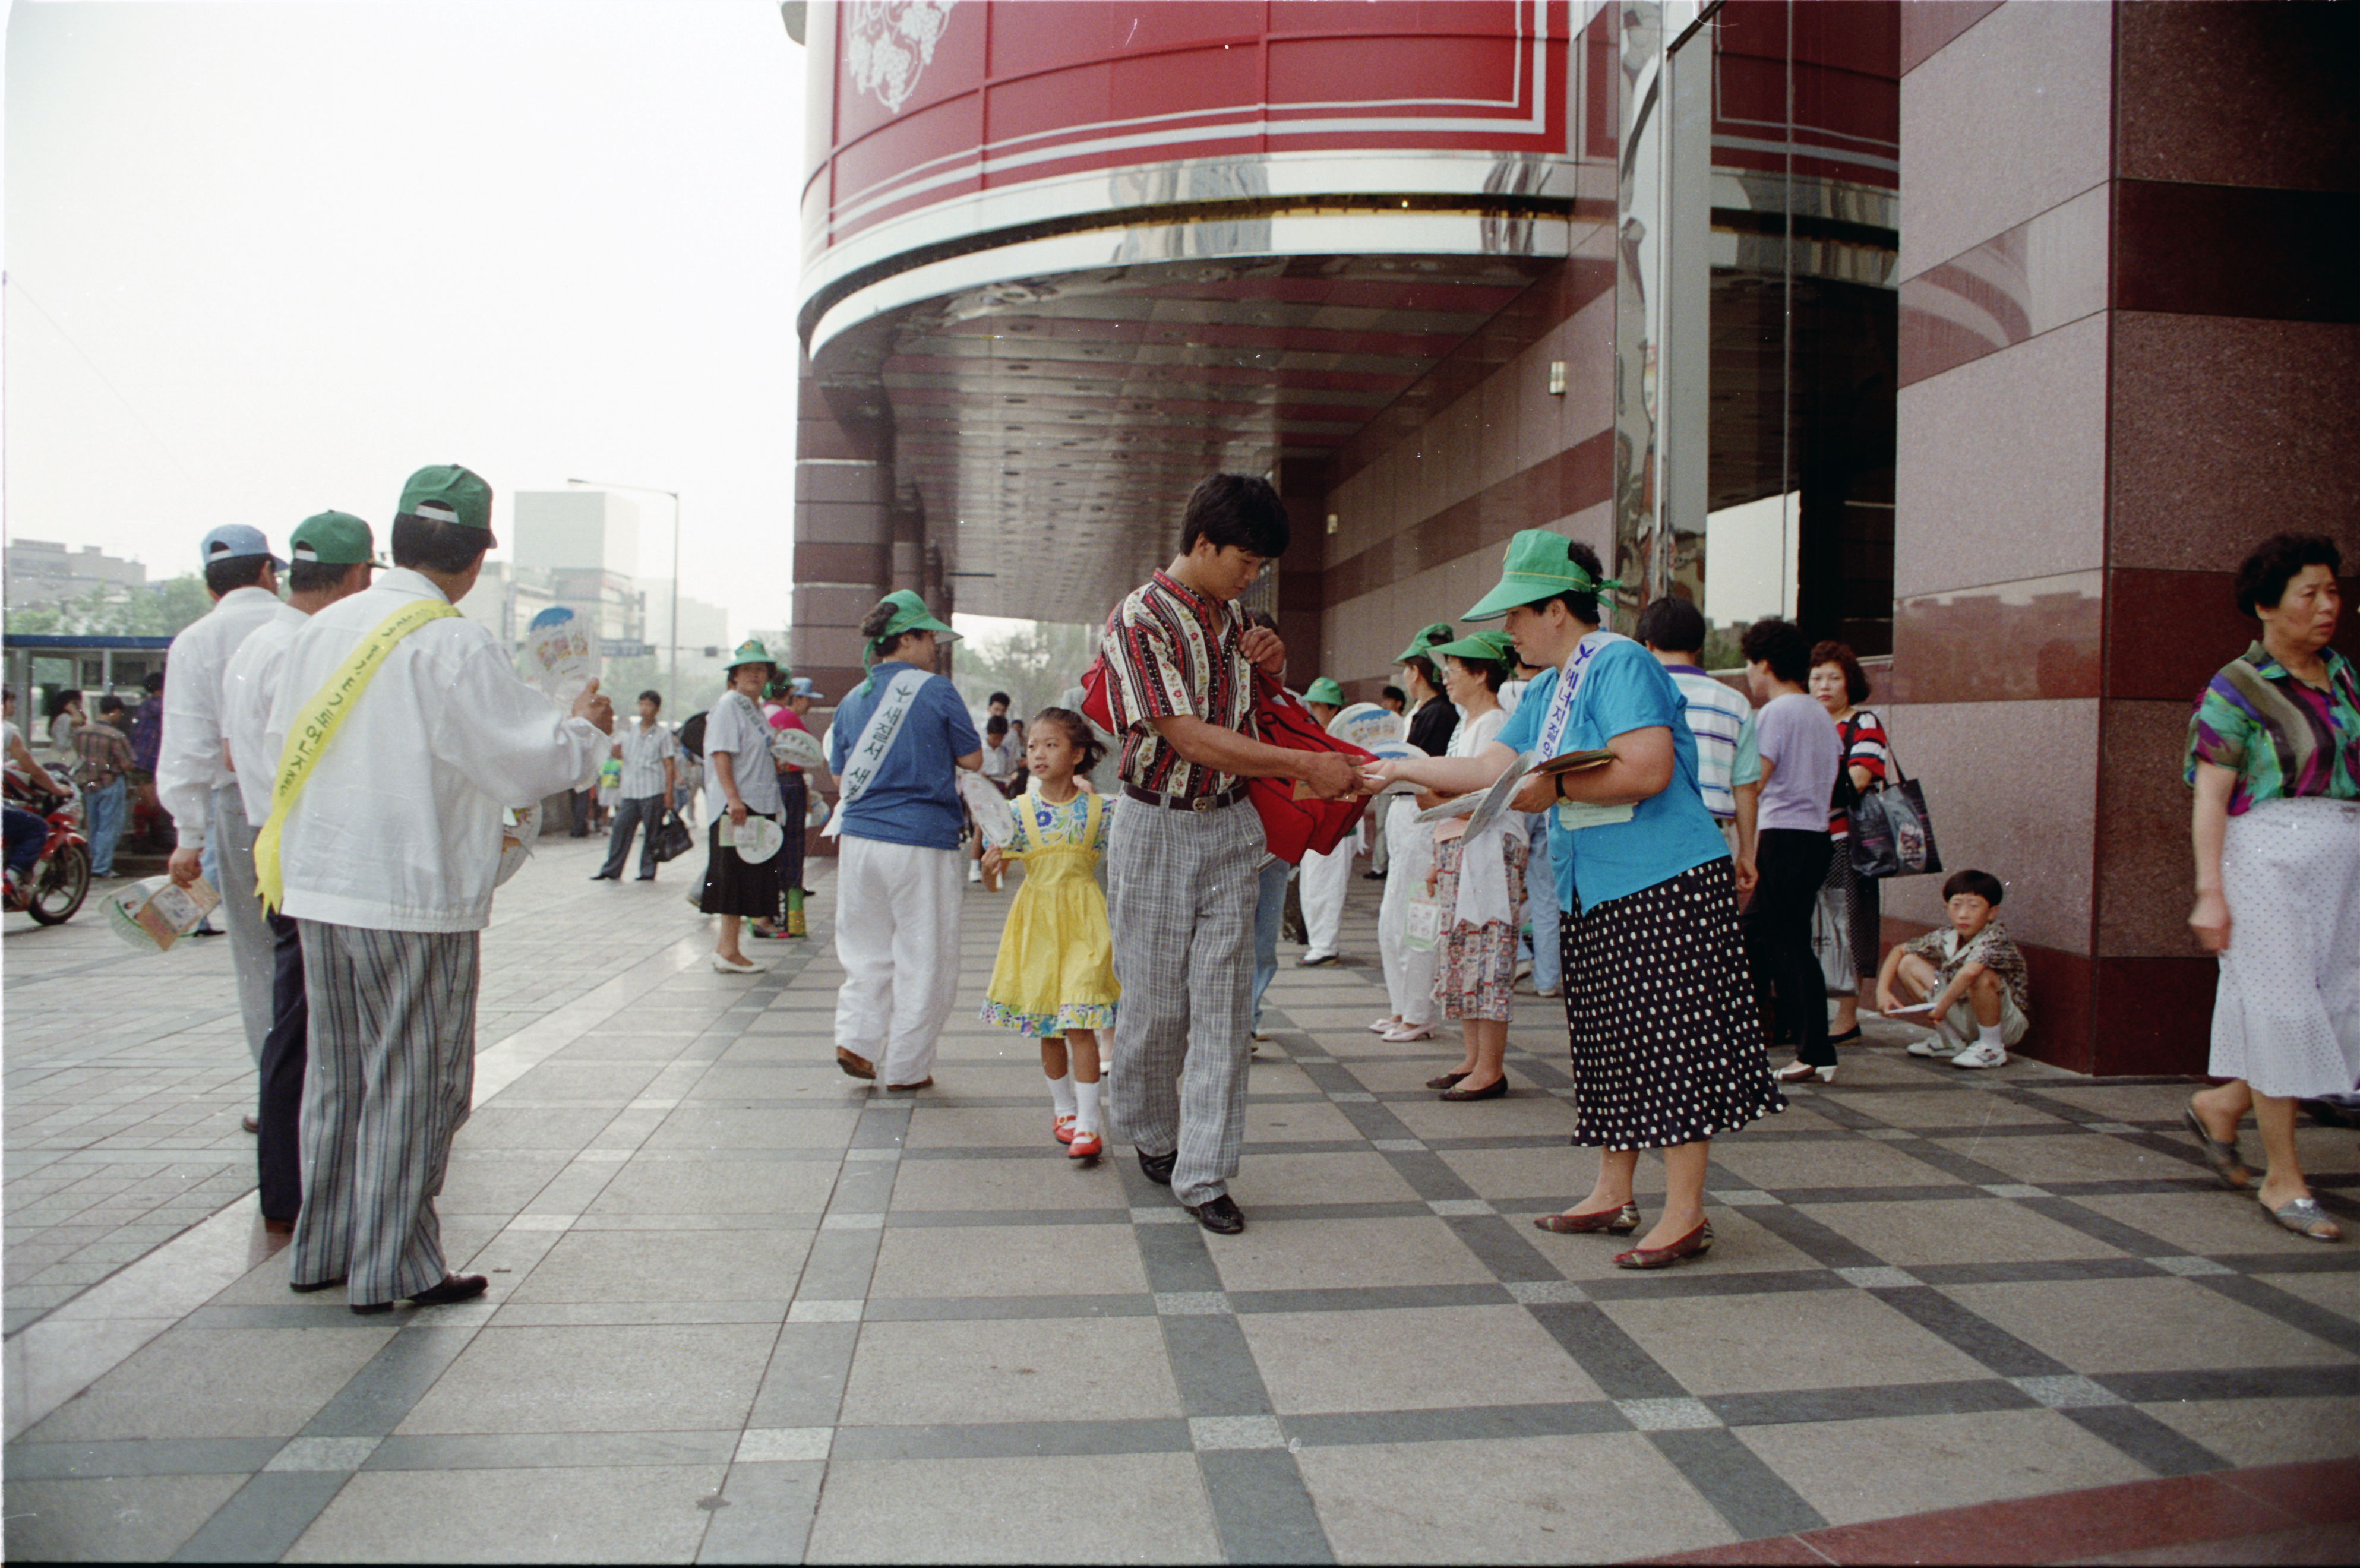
1612	1358
1745	1491
1869	1403
1702	1282
951	1308
1368	1298
769	1514
2312	1319
1470	1424
2235	1383
2146	1439
551	1450
1214	1367
264	1519
803	1383
1814	1240
1011	1440
147	1456
382	1392
1262	1508
1985	1340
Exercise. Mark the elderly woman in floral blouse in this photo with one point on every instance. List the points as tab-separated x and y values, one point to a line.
2273	756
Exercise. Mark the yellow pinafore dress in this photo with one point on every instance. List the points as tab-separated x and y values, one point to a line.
1055	969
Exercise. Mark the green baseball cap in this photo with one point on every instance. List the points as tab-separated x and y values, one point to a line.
1324	689
752	651
1538	565
911	615
1488	646
446	493
1422	645
333	539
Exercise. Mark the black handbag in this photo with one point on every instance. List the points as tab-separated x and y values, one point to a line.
1892	830
672	838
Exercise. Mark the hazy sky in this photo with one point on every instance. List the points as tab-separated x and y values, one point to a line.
267	258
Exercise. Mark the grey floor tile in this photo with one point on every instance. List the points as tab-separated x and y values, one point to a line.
1012	1510
649	1514
769	1514
263	1519
131	1518
668	1378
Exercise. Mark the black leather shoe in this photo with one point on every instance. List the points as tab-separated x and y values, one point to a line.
1157	1168
455	1287
323	1285
1220	1214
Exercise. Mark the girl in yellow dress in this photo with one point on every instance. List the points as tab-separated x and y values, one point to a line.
1055	976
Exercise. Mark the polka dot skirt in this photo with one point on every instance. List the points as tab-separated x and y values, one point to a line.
1667	1036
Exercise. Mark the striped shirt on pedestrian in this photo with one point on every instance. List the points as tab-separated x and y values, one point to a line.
1716	716
644	749
1172	653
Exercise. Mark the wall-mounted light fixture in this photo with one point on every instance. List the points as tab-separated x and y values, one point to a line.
1556	378
1331	522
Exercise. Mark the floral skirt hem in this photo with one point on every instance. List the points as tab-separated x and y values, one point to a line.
1071	1016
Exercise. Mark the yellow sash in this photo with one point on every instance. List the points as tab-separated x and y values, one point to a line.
310	735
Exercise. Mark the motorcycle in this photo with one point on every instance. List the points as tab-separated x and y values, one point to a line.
53	890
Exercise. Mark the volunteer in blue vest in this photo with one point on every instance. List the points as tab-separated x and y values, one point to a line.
1667	1040
402	731
895	747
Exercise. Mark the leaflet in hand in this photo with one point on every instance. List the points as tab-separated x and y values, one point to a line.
1575	761
558	658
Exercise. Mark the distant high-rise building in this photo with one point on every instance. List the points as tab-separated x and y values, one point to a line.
588	543
43	572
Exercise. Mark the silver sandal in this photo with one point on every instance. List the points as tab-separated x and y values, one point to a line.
2306	1218
2221	1157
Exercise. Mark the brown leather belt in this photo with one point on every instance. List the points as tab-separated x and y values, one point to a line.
1228	797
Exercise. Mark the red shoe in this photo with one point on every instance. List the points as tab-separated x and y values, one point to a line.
1085	1146
1062	1129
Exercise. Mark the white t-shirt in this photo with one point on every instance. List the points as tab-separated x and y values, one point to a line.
736	725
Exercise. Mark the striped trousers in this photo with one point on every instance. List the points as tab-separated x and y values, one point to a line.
393	1070
252	948
1183	887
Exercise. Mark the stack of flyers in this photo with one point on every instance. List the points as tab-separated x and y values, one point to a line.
156	912
557	655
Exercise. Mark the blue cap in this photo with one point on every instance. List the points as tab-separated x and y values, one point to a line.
232	541
803	686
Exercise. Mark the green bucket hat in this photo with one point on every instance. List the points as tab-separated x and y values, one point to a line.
1422	645
446	493
911	615
333	539
1538	566
1324	689
1489	646
750	651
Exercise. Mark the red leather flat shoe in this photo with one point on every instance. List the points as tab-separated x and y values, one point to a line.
1620	1221
1689	1246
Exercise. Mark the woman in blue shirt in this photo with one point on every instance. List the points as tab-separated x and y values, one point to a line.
896	747
1667	1040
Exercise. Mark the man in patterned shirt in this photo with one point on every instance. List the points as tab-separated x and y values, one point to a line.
1186	841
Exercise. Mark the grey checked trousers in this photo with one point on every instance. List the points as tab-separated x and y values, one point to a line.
1182	887
392	1074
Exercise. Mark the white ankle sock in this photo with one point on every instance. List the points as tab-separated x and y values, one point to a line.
1086	1118
1061	1092
1987	1035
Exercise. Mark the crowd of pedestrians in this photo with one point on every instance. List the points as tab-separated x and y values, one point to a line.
345	757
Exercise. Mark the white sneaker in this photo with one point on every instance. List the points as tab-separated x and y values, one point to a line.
1523	968
1549	991
1934	1045
1980	1055
975	871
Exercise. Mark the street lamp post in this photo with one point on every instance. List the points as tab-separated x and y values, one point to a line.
673	633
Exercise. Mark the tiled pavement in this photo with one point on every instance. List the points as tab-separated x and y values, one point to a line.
744	1307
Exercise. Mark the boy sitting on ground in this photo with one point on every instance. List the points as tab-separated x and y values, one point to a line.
1971	974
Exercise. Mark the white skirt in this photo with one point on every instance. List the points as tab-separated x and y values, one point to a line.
2287	1016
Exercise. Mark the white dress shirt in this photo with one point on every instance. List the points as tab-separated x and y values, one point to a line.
248	685
399	828
189	766
644	749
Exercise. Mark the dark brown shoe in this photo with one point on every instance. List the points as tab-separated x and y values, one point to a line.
1445	1081
926	1082
855	1066
1497	1089
249	1124
1692	1245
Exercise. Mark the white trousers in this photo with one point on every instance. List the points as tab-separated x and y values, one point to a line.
897	935
252	948
1325	880
1409	974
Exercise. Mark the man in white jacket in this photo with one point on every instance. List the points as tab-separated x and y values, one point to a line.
412	731
330	558
192	777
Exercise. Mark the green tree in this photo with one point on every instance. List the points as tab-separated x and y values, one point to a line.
155	609
1035	666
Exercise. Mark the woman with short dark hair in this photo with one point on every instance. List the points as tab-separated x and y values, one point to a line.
1840	684
2274	758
